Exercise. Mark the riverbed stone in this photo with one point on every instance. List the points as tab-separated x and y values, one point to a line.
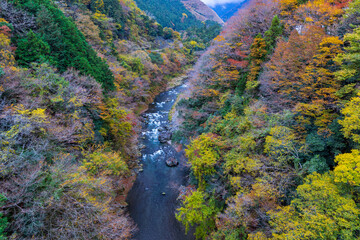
165	136
172	162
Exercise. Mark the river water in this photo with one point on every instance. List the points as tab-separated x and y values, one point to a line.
152	199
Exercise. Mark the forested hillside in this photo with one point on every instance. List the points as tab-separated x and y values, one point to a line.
170	13
273	122
174	14
227	10
202	11
74	77
270	120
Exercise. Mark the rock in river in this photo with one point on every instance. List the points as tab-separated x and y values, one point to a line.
172	162
164	137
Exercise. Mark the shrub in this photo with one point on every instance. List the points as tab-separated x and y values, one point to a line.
105	163
3	220
156	58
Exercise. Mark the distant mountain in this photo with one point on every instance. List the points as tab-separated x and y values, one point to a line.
227	10
201	11
178	14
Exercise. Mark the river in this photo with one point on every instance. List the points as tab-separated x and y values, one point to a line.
152	201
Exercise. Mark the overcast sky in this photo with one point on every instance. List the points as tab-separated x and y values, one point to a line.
215	2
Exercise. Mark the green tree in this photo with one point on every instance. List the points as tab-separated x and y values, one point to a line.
3	220
156	58
31	49
168	33
196	211
275	31
50	30
350	65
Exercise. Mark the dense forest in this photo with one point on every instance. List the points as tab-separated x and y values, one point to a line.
273	122
74	77
169	13
173	14
227	10
270	122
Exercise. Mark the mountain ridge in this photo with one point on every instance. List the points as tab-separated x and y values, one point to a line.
201	11
227	10
179	14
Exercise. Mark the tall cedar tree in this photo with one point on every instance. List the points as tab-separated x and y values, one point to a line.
31	49
257	57
67	44
276	29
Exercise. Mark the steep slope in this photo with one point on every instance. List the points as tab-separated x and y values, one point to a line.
272	116
227	10
74	76
201	11
196	33
169	13
177	14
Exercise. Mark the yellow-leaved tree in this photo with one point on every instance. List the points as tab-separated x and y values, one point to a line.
203	155
348	168
258	54
196	211
320	210
351	121
282	145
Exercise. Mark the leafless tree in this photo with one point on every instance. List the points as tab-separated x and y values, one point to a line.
20	20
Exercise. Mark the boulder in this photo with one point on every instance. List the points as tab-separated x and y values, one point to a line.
165	136
172	162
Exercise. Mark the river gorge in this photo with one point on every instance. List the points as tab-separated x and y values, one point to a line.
153	197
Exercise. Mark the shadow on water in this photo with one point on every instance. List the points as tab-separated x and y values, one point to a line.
152	211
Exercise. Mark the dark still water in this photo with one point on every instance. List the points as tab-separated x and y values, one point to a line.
152	211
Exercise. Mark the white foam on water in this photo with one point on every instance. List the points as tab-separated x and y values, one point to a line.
154	119
172	92
152	134
153	115
160	104
156	154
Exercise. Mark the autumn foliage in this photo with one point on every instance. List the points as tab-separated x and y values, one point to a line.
285	161
72	84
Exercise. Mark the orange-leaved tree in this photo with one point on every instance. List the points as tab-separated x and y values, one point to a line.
318	97
287	66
